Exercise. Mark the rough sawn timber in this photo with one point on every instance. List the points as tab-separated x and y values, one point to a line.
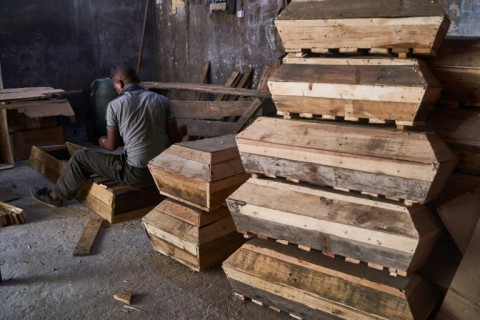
405	165
371	230
398	24
311	285
403	90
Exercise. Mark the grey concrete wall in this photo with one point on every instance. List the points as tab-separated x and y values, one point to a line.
68	43
464	17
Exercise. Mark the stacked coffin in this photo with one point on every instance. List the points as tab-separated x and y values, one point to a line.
193	225
345	202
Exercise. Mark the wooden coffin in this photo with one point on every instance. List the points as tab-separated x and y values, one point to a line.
193	237
403	90
463	296
460	129
112	200
200	173
310	285
406	165
457	67
460	217
401	25
376	231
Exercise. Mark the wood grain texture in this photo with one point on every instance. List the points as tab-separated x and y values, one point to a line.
360	88
457	67
332	286
367	24
376	231
460	129
211	88
87	239
415	166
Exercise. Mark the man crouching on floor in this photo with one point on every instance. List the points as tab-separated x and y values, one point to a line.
142	118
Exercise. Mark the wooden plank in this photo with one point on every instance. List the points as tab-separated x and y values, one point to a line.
247	115
10	215
329	285
243	82
460	129
203	78
353	157
206	128
457	66
463	296
353	88
6	154
377	231
211	88
368	24
87	239
27	93
212	110
460	217
230	83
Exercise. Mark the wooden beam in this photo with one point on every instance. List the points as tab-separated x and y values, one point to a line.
212	88
231	83
85	243
203	79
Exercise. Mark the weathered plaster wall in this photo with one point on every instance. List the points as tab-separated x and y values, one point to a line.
68	43
464	17
190	35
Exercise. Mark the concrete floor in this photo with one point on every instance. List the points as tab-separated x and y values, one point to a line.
42	280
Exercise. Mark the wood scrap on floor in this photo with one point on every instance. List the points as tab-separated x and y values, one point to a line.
11	215
125	297
87	239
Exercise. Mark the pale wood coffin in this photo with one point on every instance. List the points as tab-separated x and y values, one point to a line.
406	165
200	173
310	285
109	199
401	25
403	90
460	129
377	231
457	67
191	236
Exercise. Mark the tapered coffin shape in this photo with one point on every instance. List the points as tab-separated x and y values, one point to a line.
457	67
312	286
376	231
195	238
460	129
398	24
406	165
403	90
200	173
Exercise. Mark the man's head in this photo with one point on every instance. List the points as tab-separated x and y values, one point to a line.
122	76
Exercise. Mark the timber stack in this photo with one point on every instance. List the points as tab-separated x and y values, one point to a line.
340	207
193	224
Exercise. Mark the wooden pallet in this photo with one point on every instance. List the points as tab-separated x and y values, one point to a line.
376	89
406	165
403	26
10	215
112	200
310	285
195	238
372	230
200	173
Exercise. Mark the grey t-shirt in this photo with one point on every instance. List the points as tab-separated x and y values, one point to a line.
141	117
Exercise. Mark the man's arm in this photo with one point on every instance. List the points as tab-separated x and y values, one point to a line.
174	133
111	140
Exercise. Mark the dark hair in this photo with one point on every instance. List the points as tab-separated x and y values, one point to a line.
126	73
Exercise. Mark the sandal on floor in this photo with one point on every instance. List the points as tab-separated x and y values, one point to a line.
43	195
